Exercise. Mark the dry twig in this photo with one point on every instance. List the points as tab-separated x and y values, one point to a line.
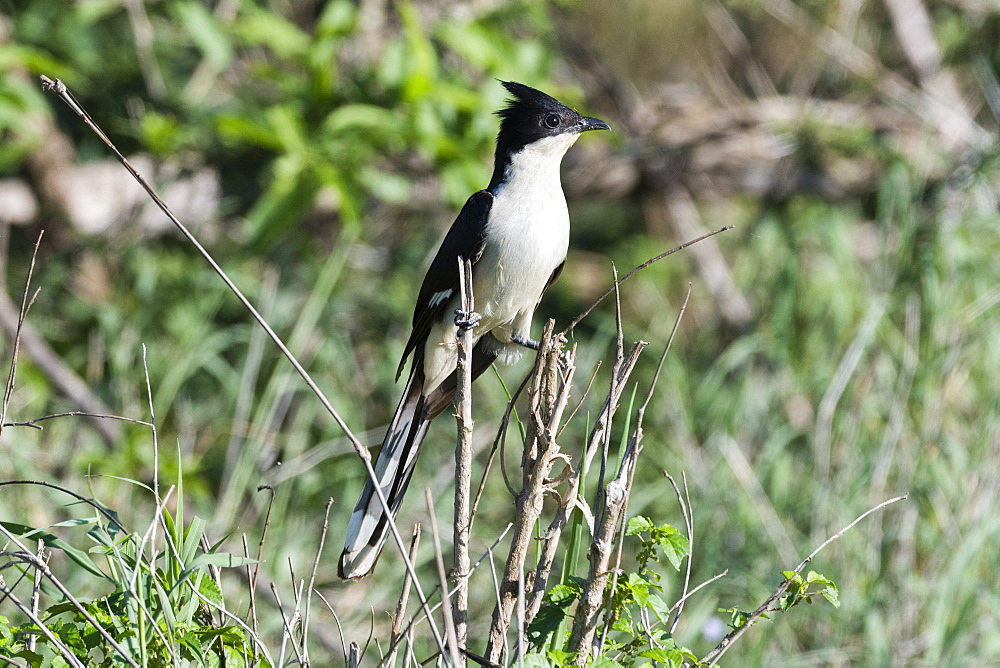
463	458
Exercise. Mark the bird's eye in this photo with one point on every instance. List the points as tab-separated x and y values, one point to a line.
552	121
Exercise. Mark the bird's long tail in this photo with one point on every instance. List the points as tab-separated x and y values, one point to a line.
369	524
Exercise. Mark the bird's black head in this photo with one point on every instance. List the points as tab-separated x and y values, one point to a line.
531	115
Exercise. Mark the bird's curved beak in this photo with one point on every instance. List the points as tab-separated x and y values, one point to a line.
589	123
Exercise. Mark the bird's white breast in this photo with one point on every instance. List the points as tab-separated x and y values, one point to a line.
527	237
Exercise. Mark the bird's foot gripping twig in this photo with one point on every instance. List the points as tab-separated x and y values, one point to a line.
466	319
558	340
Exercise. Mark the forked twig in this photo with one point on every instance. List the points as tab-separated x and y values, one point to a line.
22	314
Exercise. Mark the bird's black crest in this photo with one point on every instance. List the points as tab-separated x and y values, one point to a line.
523	121
528	101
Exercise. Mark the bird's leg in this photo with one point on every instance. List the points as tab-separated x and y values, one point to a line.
466	319
529	342
525	341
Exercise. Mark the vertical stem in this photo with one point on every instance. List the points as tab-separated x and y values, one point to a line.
463	458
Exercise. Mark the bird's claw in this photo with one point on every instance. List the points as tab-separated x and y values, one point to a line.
465	320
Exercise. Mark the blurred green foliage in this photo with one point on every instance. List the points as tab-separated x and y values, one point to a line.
345	144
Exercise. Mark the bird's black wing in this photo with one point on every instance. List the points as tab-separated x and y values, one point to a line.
466	238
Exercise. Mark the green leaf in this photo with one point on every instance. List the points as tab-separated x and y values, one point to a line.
350	117
272	30
637	525
561	657
78	556
192	539
659	608
33	658
669	657
675	547
536	660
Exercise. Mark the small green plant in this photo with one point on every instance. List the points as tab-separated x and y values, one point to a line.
797	589
165	604
637	620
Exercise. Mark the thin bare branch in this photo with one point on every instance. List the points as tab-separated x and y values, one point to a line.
635	271
22	314
463	458
312	578
449	623
60	89
404	596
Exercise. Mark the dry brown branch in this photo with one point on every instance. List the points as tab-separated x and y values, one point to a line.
62	376
463	458
547	399
21	315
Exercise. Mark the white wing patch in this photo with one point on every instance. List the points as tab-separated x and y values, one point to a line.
439	297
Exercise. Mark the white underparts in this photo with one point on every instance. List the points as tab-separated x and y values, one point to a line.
527	236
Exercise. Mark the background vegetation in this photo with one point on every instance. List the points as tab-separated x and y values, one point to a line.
840	347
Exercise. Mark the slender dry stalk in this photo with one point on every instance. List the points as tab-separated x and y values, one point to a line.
463	459
22	314
36	591
286	634
684	501
404	597
60	89
312	579
449	624
619	281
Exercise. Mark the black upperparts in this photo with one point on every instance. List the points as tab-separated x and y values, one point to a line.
531	115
